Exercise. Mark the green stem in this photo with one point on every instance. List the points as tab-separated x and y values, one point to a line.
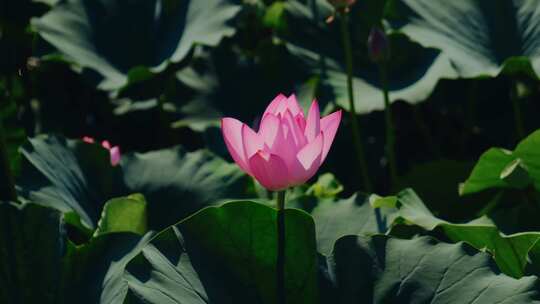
357	140
7	184
426	133
280	272
491	205
390	133
520	130
470	114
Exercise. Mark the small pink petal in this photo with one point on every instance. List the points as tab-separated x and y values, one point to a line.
285	147
293	106
276	102
293	129
311	152
301	122
269	129
282	107
115	155
232	134
269	170
106	144
252	141
329	126
313	127
88	139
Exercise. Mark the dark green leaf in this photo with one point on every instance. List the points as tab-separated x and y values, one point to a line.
116	37
243	235
32	245
337	218
94	271
210	89
74	176
172	269
413	71
40	265
509	251
479	37
386	270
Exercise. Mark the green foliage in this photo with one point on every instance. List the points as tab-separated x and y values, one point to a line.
385	270
327	186
32	242
241	233
14	135
509	251
175	221
126	214
480	37
170	269
120	40
352	216
414	71
500	168
71	175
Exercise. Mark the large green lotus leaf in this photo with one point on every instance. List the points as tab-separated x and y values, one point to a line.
122	40
480	37
354	215
32	244
500	168
40	265
74	176
242	236
442	197
94	271
413	74
381	269
172	269
177	183
68	175
509	251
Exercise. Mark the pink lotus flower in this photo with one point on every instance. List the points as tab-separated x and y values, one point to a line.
114	151
288	148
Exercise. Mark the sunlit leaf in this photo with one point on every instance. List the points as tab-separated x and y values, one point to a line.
243	236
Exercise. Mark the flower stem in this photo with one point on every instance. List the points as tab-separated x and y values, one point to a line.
390	132
280	272
520	130
357	140
7	184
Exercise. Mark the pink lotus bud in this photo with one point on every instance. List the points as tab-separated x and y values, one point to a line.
88	139
115	155
378	45
288	148
113	151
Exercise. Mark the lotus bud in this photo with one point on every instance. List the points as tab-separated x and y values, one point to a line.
378	45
